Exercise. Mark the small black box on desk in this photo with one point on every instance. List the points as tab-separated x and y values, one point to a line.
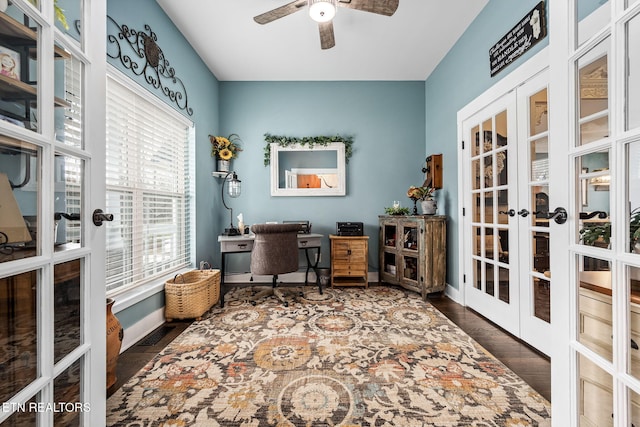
349	228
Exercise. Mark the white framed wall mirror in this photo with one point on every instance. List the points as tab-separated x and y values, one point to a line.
298	170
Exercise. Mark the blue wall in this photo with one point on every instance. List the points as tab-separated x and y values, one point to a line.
460	78
202	90
386	120
390	122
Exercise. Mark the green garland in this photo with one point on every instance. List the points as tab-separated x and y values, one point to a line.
310	141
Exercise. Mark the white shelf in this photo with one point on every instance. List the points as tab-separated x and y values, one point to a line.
220	174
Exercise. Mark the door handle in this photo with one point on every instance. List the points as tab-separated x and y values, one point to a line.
71	217
510	212
559	215
523	213
589	215
99	216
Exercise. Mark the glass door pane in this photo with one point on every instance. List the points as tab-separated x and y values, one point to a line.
68	202
410	235
593	87
19	40
594	225
389	263
67	388
633	196
69	87
634	320
595	397
595	312
18	332
592	16
68	308
633	74
20	192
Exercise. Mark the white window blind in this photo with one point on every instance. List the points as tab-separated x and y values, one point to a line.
148	189
72	135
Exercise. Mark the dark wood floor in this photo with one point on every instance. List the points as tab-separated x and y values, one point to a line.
530	365
134	358
527	363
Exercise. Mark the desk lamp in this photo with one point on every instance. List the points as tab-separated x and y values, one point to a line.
234	191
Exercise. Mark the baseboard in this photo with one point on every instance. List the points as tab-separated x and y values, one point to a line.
454	294
297	277
142	328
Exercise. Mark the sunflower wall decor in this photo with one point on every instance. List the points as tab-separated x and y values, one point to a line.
225	148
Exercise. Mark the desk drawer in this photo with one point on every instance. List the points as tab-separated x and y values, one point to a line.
309	242
243	246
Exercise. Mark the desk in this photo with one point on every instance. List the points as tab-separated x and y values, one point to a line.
244	243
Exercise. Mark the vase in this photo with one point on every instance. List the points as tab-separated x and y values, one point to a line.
223	165
428	207
115	333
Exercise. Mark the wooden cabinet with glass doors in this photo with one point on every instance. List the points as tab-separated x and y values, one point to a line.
413	253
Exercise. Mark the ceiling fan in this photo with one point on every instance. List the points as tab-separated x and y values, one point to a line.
323	11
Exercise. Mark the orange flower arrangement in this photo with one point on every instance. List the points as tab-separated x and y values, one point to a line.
420	193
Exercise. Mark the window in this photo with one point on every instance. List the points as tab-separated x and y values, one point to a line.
148	187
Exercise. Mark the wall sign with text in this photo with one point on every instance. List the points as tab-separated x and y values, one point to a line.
522	37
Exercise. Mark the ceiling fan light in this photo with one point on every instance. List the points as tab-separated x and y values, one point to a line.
322	10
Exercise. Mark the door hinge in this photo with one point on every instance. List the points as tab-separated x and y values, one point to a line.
464	211
464	278
463	145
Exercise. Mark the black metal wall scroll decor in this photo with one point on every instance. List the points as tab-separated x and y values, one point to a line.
128	45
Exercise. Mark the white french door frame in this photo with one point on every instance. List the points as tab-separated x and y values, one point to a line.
526	80
533	329
526	71
95	13
489	304
564	54
91	351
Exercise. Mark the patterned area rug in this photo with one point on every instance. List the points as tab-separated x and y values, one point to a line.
350	357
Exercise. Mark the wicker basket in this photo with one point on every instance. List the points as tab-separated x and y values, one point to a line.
190	295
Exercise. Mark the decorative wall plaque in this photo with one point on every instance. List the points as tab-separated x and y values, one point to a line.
139	52
522	37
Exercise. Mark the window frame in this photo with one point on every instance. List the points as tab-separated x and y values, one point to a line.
146	284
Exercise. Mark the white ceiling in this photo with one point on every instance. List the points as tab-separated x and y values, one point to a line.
405	46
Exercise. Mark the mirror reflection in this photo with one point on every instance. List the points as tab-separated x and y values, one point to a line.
303	171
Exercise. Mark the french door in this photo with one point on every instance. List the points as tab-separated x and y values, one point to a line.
506	217
600	52
491	237
52	293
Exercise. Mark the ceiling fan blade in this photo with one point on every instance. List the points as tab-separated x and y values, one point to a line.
280	12
381	7
327	39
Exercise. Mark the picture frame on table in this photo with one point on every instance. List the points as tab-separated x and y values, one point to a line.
9	63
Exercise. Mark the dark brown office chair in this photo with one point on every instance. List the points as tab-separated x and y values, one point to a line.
275	251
